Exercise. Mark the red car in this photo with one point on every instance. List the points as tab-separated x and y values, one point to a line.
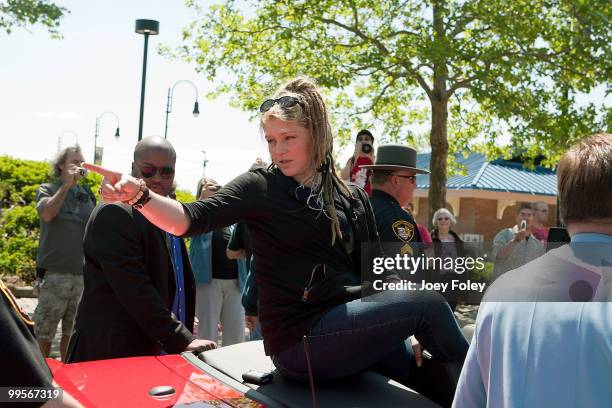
214	379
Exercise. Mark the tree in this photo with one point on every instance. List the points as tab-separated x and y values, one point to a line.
479	68
23	13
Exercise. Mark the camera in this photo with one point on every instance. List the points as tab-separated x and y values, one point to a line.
366	148
82	172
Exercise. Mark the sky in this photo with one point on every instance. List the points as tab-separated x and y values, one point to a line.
55	89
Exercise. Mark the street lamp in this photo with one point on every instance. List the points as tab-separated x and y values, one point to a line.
146	27
60	138
196	110
98	154
204	164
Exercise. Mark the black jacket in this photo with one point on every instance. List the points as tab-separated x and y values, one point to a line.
125	309
438	244
290	241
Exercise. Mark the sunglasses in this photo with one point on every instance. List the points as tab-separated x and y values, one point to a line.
149	171
283	102
411	178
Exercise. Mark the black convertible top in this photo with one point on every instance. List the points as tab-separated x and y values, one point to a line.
365	390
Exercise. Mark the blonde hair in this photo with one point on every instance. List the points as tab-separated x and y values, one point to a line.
312	115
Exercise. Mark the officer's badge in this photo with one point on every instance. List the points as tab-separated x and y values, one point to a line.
403	230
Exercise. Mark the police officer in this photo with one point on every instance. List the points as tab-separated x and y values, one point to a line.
393	182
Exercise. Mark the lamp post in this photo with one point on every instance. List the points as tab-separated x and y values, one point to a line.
98	157
196	110
145	27
204	164
60	138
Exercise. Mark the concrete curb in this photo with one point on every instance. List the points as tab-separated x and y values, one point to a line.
22	291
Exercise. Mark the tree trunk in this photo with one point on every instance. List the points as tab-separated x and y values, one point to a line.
439	155
439	117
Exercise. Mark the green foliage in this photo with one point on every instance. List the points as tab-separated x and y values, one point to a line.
93	181
20	220
19	179
483	275
512	68
24	13
19	231
184	196
19	223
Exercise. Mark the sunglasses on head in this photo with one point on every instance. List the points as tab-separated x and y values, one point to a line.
283	102
149	171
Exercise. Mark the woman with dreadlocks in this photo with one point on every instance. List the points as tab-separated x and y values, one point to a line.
307	229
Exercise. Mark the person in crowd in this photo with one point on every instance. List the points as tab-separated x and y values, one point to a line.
540	219
64	206
139	297
514	247
443	220
446	243
363	154
307	229
543	333
23	364
218	279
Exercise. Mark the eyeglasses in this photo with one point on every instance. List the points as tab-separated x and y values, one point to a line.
411	178
149	171
284	102
443	219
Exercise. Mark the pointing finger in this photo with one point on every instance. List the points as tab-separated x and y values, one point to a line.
101	170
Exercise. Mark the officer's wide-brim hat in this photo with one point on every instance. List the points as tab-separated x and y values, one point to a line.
395	157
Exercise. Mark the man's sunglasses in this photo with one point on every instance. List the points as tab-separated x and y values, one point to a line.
149	171
283	102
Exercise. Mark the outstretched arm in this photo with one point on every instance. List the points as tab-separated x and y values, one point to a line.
165	213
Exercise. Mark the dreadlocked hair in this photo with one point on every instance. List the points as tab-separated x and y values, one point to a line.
312	114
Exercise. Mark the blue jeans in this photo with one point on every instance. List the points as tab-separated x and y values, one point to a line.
371	333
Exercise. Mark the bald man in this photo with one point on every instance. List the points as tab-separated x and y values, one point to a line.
139	290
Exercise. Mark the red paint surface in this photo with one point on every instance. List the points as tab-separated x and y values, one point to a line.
127	381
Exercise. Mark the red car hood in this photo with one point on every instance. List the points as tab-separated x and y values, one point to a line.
127	382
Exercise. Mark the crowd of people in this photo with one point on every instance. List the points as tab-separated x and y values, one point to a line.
280	249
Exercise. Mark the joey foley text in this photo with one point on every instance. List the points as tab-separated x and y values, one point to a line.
402	264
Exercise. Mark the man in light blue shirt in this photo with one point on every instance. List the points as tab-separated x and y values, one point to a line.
543	334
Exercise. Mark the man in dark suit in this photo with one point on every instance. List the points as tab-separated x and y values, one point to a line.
139	291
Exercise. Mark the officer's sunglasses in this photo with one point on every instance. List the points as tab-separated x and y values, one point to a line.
149	171
283	102
411	178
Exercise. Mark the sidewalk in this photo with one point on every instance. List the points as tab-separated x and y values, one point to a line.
28	305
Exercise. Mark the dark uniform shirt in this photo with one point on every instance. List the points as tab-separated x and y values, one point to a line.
394	223
22	362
